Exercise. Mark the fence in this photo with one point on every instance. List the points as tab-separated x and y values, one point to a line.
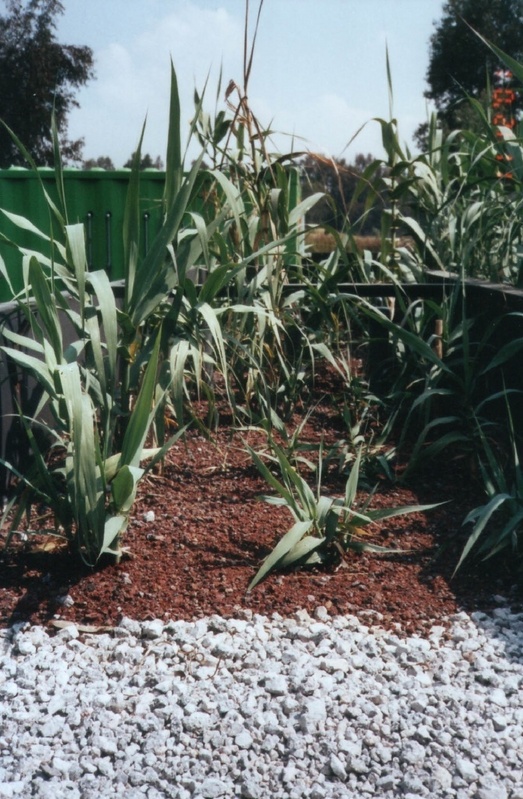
95	197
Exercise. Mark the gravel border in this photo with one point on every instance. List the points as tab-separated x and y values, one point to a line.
319	707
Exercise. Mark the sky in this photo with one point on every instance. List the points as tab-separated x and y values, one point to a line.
319	74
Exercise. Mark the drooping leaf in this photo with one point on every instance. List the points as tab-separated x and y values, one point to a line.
284	545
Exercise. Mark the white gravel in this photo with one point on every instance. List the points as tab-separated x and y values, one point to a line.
323	708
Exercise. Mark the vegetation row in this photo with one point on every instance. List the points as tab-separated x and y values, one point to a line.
140	360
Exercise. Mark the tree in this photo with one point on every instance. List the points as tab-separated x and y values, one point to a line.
460	63
102	162
38	75
339	180
146	162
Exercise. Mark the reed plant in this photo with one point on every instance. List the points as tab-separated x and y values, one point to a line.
133	357
497	525
222	302
325	527
87	464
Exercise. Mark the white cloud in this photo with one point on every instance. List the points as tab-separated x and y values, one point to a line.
133	80
330	123
316	74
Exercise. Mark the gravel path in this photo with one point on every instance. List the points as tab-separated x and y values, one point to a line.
323	708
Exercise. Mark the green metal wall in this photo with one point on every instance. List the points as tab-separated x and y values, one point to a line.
95	197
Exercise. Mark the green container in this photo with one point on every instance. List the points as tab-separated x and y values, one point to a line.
95	197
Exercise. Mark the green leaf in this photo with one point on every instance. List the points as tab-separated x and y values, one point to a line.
501	539
142	413
211	319
35	367
307	508
215	281
24	224
26	342
46	307
75	236
58	166
302	551
232	194
156	276
101	285
113	528
289	540
506	352
404	510
483	515
514	66
297	214
174	161
412	340
123	487
178	356
351	487
131	225
271	479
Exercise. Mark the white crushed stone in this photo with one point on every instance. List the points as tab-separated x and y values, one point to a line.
255	708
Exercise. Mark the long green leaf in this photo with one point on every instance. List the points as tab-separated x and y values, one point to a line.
113	528
484	516
177	359
272	480
123	487
46	307
142	413
101	285
58	167
351	487
131	224
156	276
302	551
75	236
35	367
284	545
402	510
507	351
174	161
515	66
24	224
498	540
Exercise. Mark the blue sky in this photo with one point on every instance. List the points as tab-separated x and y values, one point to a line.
319	68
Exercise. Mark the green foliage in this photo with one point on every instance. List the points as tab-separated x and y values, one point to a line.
498	524
459	64
324	527
102	162
133	358
253	207
103	389
37	75
146	162
224	306
444	375
89	486
463	215
346	194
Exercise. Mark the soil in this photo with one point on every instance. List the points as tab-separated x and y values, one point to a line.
199	533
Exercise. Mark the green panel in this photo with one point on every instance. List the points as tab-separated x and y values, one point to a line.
21	194
98	200
94	197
